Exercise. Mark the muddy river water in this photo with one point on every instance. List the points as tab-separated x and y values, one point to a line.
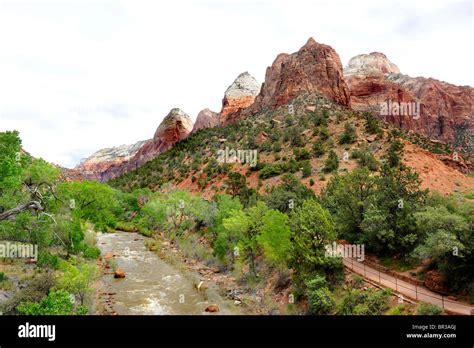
151	285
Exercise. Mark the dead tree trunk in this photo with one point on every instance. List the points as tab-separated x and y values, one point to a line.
34	205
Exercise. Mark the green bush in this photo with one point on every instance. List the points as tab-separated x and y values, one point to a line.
56	303
270	170
306	171
318	148
321	301
46	259
428	309
332	163
365	159
349	136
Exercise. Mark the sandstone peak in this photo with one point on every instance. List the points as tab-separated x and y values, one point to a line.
206	119
375	63
445	112
176	121
176	126
240	95
94	166
112	153
310	42
314	68
244	85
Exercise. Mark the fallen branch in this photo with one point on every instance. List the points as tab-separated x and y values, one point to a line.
34	205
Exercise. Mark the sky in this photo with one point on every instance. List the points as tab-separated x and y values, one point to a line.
78	76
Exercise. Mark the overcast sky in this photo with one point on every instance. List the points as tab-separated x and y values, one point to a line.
78	76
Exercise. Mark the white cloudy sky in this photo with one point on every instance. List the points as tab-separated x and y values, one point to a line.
77	76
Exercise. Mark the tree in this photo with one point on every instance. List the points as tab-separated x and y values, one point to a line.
77	279
320	299
306	171
365	159
395	153
319	148
56	303
347	197
247	227
25	183
289	194
91	201
372	124
332	163
447	240
349	136
389	222
237	186
275	237
312	229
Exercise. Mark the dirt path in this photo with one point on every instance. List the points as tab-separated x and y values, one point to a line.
414	292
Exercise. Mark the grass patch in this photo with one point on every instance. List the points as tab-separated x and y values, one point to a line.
399	265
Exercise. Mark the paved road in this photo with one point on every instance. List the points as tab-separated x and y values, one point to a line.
418	293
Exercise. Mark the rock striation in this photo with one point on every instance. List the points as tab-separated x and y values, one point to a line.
238	96
446	111
176	126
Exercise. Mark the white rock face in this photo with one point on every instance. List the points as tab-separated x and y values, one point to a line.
244	85
122	152
375	63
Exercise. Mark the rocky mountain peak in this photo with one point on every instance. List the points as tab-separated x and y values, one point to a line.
375	63
239	95
314	68
100	161
445	111
206	119
244	85
177	124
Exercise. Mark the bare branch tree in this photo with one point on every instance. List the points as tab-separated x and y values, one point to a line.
33	205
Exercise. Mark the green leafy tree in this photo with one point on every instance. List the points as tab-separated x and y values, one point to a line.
249	226
91	201
275	237
289	194
389	223
348	197
57	302
320	299
312	229
77	279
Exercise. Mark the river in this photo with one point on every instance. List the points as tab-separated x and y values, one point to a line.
152	286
